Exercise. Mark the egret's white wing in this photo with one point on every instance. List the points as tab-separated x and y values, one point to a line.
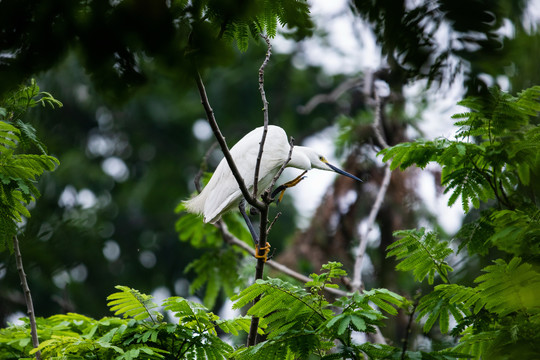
224	193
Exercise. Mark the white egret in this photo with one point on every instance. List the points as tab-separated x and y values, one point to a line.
222	192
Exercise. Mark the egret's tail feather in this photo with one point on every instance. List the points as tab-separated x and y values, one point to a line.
195	205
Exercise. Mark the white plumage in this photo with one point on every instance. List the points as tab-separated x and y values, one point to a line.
222	193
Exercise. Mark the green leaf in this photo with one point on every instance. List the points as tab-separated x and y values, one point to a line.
384	299
132	303
510	287
216	270
422	253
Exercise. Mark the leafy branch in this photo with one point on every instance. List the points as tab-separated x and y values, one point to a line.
422	253
18	173
301	323
130	302
494	157
491	168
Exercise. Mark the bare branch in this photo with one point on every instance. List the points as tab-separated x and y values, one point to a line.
27	296
233	240
377	124
221	140
331	97
356	283
265	114
273	221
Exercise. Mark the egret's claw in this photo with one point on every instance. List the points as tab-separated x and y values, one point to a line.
287	185
265	248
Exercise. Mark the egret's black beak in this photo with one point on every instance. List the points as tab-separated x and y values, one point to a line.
339	171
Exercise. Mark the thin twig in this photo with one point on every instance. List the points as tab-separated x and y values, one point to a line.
202	168
262	207
221	140
361	251
265	114
408	330
27	296
273	221
331	97
356	284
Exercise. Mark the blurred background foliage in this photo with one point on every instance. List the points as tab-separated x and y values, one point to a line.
131	135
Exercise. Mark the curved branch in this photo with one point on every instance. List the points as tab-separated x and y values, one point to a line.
356	283
331	97
221	140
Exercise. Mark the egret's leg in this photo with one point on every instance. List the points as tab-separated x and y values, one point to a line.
254	235
287	185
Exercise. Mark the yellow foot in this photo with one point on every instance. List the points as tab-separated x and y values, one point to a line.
265	248
287	185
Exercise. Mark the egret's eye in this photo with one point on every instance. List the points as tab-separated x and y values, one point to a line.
322	158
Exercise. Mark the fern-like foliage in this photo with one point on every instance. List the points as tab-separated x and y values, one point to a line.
359	315
505	151
301	323
215	276
131	303
442	304
292	317
74	336
329	272
284	305
507	292
260	16
516	232
190	228
494	157
18	170
422	253
141	332
523	227
510	288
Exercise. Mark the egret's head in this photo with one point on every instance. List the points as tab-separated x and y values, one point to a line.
323	160
318	161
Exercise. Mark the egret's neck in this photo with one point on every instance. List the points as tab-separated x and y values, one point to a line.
299	159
